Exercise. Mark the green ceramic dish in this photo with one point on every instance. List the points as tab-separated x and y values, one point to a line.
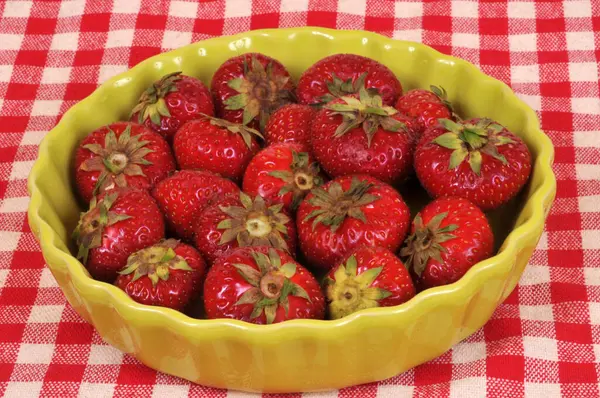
300	355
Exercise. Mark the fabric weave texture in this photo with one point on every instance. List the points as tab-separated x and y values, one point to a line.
543	341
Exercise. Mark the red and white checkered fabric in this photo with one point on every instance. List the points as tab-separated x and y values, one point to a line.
544	341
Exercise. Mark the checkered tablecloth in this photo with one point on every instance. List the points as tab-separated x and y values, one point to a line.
544	341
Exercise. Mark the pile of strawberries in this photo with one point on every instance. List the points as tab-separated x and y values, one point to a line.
318	164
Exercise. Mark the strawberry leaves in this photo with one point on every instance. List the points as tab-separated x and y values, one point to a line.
117	159
300	180
472	139
156	262
88	233
339	88
254	224
271	284
367	111
249	274
260	92
352	291
244	131
334	205
152	102
442	94
426	242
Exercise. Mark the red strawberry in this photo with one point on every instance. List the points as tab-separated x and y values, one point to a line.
282	173
184	195
290	123
261	285
425	106
239	221
121	154
351	136
369	277
343	74
249	87
167	274
447	238
215	145
349	212
118	223
172	101
477	159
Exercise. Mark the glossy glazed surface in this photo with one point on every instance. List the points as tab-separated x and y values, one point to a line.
299	355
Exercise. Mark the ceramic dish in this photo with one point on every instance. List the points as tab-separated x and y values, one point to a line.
298	355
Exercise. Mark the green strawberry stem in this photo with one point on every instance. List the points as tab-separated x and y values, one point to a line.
271	285
152	103
155	262
351	292
88	233
339	88
367	111
334	205
260	92
117	158
468	139
442	94
244	131
300	180
426	242
254	224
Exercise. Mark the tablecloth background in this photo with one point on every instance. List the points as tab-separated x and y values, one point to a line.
544	341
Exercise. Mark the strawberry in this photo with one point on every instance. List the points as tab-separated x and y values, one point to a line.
447	238
368	277
339	75
249	87
282	173
426	107
119	222
290	123
184	195
351	136
167	274
477	159
170	102
263	286
121	154
238	221
215	145
349	212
